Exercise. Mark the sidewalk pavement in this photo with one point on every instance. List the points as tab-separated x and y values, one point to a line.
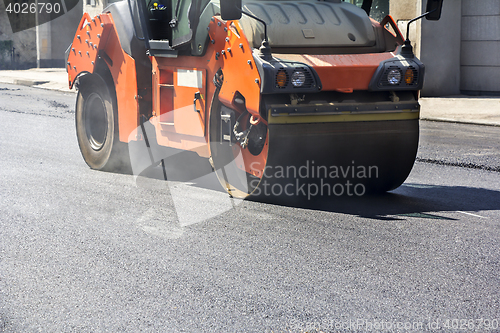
45	78
481	110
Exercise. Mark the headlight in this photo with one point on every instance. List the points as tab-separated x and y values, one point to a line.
398	74
298	79
285	77
394	77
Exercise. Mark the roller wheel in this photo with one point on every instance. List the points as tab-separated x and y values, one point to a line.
97	127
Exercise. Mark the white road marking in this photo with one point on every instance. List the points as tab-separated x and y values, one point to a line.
483	217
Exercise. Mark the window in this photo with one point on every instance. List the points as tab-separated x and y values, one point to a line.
380	8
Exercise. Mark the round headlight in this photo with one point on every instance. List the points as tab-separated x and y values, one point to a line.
298	78
394	76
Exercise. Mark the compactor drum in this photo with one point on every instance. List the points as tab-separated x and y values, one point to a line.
283	98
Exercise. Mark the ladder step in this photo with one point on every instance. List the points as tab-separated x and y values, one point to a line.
161	48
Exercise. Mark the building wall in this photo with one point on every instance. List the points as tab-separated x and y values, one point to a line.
436	43
54	37
403	12
24	43
460	51
480	50
94	7
440	51
41	46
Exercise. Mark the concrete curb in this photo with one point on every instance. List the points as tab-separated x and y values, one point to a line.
477	110
29	83
47	85
44	78
458	121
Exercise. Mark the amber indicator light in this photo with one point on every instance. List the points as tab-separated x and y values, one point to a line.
409	76
281	79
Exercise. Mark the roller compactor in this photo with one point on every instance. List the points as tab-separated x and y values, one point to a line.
277	95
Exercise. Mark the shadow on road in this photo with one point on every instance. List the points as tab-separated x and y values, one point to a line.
193	175
194	172
407	200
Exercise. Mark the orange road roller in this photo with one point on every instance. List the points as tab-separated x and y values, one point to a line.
278	96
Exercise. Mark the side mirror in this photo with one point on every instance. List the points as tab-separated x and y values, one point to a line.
434	9
230	9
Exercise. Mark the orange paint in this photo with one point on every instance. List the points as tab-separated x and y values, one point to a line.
392	23
177	124
236	60
90	38
344	73
96	37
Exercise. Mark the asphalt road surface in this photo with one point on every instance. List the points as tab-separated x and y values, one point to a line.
89	251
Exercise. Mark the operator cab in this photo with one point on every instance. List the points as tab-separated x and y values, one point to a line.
159	16
169	24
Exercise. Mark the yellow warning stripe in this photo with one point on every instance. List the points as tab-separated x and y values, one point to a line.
343	117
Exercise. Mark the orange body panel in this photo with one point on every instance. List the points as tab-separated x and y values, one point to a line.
177	124
240	76
397	33
96	37
124	76
235	55
175	83
344	73
90	38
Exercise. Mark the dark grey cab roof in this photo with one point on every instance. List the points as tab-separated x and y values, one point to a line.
308	24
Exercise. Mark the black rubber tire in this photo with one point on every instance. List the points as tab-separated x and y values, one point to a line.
97	126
